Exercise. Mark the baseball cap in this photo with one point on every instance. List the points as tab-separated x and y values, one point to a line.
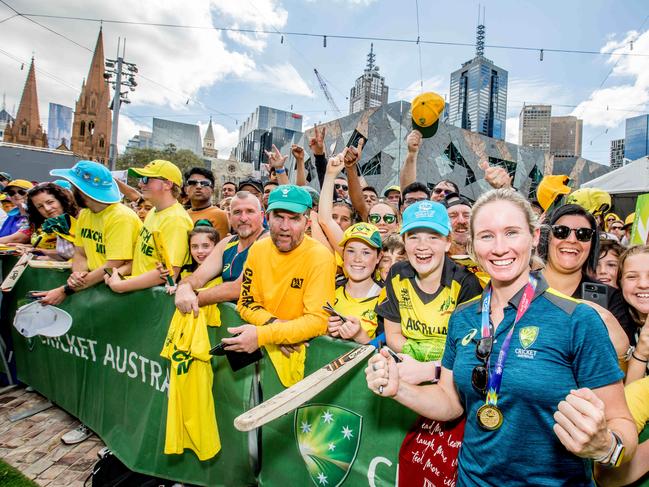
159	169
594	200
366	232
628	221
255	183
426	214
391	188
35	319
550	188
315	196
454	199
93	180
5	175
290	198
426	110
19	183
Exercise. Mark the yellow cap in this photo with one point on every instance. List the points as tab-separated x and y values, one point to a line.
366	232
426	110
20	183
550	188
629	219
159	169
594	200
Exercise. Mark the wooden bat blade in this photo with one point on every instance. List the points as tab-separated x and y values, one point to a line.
50	264
296	395
17	271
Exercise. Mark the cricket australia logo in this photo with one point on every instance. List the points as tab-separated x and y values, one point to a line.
404	299
328	438
527	336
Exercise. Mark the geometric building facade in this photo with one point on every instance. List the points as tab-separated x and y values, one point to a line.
453	153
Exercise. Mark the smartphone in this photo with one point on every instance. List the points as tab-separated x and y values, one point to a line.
595	293
356	138
393	354
31	295
219	350
330	309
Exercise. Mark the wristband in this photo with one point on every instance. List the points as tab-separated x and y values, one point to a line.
608	454
68	290
281	170
638	358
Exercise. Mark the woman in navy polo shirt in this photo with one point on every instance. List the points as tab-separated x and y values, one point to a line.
534	370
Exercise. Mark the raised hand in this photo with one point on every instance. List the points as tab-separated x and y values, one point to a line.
336	164
275	158
496	176
316	143
298	152
352	154
414	141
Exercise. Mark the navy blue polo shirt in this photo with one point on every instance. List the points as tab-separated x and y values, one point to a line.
559	344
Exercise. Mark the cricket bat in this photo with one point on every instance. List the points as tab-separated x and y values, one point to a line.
15	273
50	264
296	395
161	248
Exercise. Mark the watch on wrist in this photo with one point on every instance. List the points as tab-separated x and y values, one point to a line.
617	454
68	290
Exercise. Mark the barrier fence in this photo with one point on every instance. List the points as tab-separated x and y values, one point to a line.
107	372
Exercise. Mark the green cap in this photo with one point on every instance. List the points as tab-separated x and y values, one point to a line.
290	198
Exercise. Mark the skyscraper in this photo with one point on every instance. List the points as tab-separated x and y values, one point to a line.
479	94
370	90
566	134
534	126
636	137
59	126
617	153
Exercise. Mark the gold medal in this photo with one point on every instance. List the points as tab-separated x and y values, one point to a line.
489	417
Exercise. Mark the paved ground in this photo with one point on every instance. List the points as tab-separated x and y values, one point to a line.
33	445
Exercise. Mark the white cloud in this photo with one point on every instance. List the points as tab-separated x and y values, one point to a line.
533	91
512	130
363	3
610	106
283	78
437	84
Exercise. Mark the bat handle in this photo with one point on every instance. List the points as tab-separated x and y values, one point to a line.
170	281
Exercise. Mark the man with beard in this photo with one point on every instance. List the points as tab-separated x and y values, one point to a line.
286	281
227	259
459	212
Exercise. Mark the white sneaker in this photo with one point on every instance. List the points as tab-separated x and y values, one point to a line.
72	437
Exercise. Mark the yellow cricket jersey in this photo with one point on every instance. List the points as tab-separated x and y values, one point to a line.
107	235
362	308
424	317
174	224
212	313
292	287
191	419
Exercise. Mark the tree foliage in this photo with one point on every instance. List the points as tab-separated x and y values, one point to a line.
184	159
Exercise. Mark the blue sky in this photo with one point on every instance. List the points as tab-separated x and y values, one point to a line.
205	72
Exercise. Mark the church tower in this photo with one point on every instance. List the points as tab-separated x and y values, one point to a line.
208	142
92	126
26	129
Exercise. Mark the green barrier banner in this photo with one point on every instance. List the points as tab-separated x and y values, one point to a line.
107	371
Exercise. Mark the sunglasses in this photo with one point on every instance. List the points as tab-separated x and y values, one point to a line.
146	179
14	192
445	191
199	182
562	232
344	187
480	374
388	218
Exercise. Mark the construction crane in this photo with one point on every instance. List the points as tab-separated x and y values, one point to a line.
325	90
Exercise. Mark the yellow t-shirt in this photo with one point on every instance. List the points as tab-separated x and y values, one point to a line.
637	397
174	224
362	308
107	235
291	286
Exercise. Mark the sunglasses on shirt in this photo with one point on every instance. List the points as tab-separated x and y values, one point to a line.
562	232
344	187
388	218
199	182
480	374
14	192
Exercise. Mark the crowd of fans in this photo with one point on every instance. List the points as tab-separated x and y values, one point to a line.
416	262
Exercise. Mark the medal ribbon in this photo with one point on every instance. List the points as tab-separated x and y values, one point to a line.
495	378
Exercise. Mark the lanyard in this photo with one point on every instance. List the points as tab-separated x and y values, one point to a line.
495	378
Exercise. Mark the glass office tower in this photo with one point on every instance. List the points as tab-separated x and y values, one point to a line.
636	137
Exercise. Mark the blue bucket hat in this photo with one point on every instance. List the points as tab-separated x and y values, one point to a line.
93	180
426	214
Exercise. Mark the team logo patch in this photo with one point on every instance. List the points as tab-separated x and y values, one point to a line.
469	337
296	283
528	336
285	192
328	438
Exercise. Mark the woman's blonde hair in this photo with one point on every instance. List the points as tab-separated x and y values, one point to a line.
631	251
514	197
